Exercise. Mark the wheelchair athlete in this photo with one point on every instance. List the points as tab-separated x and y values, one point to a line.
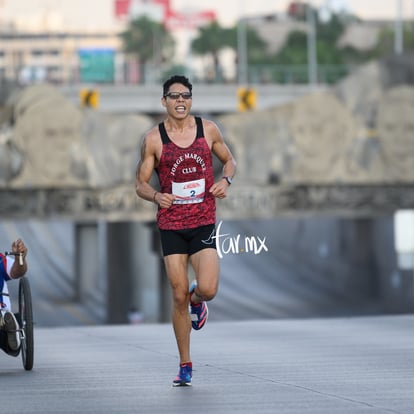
10	268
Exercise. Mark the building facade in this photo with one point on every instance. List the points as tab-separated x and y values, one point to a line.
59	57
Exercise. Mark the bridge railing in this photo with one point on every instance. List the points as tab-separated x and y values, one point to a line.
245	202
214	98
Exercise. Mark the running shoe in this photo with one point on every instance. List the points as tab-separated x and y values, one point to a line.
199	312
183	377
12	328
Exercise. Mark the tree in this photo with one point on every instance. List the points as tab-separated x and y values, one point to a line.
295	52
385	45
148	41
210	41
256	47
213	38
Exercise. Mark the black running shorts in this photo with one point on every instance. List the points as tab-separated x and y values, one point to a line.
188	241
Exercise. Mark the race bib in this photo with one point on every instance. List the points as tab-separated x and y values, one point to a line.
189	192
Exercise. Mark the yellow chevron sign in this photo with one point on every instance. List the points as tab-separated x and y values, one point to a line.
89	98
247	98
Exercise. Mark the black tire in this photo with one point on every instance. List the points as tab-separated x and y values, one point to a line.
26	315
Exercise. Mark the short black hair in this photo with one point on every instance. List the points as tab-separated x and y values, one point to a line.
176	79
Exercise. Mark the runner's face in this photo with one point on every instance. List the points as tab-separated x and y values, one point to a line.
178	106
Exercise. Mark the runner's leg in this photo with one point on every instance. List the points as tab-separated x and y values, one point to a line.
206	267
176	268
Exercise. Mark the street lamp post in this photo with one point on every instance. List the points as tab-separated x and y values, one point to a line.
241	47
398	36
312	57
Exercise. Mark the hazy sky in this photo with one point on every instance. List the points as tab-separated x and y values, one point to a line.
99	13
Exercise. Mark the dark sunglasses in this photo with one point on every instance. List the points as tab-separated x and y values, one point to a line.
176	95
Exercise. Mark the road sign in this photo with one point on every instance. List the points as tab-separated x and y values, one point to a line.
247	98
89	98
97	65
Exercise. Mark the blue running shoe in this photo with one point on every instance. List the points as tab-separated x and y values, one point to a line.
183	378
198	313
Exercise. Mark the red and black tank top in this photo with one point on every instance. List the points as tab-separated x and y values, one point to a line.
187	173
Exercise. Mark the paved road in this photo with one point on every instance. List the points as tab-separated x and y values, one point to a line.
349	365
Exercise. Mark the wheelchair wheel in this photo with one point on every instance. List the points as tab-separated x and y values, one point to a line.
26	316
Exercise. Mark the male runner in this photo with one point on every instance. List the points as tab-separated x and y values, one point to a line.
180	151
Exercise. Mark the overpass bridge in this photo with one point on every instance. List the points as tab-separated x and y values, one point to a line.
208	98
84	240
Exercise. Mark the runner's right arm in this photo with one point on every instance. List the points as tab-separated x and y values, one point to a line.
145	169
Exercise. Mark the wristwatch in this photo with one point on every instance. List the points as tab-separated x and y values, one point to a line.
228	179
